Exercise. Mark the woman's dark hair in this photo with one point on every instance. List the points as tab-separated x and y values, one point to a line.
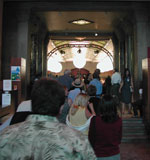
108	109
47	97
96	104
91	90
126	69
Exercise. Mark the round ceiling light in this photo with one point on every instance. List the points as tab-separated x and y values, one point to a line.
79	61
105	65
81	21
54	65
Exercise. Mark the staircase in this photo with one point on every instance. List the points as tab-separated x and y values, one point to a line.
133	130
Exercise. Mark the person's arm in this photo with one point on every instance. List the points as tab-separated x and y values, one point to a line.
92	109
87	112
121	84
119	78
70	101
132	84
91	133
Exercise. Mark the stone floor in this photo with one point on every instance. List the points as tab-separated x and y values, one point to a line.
135	151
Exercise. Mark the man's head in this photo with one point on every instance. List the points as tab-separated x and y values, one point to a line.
97	71
47	97
91	90
115	70
67	71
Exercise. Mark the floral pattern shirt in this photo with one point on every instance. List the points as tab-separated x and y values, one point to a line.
43	138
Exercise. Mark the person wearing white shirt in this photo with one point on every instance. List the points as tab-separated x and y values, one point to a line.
115	81
116	77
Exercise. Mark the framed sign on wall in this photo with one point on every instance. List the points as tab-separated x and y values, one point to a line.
15	73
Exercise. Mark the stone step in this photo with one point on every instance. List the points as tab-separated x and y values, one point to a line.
134	126
133	120
142	133
133	130
134	138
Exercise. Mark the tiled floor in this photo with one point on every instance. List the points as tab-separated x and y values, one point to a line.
135	151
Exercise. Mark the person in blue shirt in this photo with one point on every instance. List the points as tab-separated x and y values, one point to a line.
96	82
66	79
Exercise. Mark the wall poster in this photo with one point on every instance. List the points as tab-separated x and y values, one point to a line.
15	73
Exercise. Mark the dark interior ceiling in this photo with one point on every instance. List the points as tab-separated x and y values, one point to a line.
59	27
62	32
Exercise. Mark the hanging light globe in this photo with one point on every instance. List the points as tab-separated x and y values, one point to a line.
54	65
105	65
79	61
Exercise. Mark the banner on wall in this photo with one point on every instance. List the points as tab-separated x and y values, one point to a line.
15	73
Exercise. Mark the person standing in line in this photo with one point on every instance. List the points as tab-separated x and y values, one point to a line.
138	104
41	136
126	90
79	116
91	91
78	88
115	81
96	82
107	85
66	79
87	80
64	111
98	71
105	131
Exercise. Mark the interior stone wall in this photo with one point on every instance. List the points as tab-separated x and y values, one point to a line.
141	37
9	40
1	15
146	92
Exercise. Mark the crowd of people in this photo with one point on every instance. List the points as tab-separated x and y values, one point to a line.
70	119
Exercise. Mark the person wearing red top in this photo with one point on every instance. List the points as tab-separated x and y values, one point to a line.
105	131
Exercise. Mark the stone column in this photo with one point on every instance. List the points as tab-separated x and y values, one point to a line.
129	52
120	34
122	56
34	56
38	54
141	31
41	53
23	42
116	53
44	65
1	17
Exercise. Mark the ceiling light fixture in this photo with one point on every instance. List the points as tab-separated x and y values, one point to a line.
96	52
81	22
80	38
96	34
79	61
53	65
62	52
79	51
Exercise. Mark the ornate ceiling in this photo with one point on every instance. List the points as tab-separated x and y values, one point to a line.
62	33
